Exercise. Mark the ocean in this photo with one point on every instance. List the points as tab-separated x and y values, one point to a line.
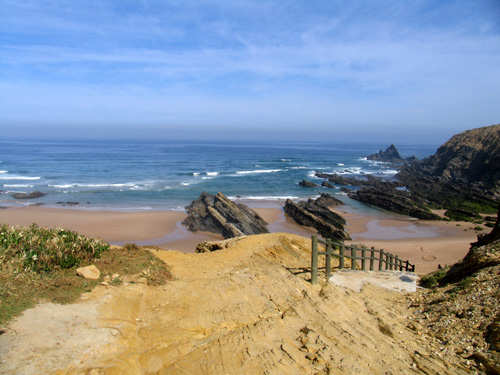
169	175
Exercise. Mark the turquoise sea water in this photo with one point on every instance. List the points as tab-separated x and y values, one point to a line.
169	175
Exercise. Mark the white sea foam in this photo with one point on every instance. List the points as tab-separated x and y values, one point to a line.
260	171
264	198
212	173
77	185
196	174
340	164
18	178
4	171
18	185
301	167
286	159
185	183
207	178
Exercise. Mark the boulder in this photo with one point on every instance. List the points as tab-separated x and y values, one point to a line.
218	214
32	195
308	184
89	272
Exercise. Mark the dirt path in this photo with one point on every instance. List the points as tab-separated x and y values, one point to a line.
247	309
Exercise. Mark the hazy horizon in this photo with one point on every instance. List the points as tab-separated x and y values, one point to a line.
349	71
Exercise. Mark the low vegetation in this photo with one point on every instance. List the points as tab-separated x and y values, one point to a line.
39	264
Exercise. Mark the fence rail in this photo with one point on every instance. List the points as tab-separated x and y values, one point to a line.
384	260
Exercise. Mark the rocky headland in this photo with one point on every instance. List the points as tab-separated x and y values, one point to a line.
462	177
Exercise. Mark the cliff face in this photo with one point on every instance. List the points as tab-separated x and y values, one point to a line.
471	158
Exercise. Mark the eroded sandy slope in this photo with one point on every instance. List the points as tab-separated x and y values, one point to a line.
247	309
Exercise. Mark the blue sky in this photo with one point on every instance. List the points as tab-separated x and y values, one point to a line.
375	70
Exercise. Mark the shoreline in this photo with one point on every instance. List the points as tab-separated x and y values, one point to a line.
426	244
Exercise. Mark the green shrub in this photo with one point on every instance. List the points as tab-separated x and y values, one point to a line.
432	279
45	250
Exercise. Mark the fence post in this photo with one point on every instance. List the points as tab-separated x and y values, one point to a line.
353	255
363	260
398	267
387	261
407	267
342	253
381	260
328	263
372	258
314	260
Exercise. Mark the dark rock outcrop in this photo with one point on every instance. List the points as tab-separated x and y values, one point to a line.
308	184
390	155
32	195
395	201
218	214
367	180
317	214
491	237
471	158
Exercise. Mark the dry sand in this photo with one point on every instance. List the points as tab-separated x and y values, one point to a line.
248	309
425	244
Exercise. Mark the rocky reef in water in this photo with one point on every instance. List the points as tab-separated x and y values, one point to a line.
218	214
318	215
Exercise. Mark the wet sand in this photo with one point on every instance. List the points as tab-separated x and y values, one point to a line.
424	243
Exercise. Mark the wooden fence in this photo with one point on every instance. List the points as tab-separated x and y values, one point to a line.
383	260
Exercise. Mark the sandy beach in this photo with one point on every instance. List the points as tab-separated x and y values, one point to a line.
425	244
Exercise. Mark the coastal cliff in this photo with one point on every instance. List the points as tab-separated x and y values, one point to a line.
471	158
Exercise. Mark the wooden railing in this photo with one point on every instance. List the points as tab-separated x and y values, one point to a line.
383	260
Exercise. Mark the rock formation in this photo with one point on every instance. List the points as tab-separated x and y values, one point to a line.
308	184
35	194
471	158
317	214
218	214
395	200
390	155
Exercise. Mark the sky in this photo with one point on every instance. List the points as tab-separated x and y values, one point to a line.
306	70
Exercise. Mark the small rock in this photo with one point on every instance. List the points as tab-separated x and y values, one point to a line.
106	279
89	272
115	276
142	280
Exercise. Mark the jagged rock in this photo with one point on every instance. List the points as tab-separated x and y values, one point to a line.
89	272
308	184
32	195
316	214
327	185
395	201
367	180
390	155
218	214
